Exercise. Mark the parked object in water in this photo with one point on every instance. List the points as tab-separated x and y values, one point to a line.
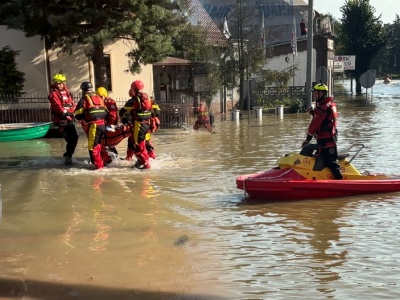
23	131
303	176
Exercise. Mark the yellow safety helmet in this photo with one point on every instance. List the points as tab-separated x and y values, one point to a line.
320	87
59	78
102	92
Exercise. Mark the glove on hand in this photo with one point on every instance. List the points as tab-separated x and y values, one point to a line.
69	114
304	143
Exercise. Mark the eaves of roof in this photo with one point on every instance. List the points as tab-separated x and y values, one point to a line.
199	16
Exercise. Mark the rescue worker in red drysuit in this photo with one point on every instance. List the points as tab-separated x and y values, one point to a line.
202	117
111	120
123	113
154	125
126	118
62	111
92	112
139	107
324	127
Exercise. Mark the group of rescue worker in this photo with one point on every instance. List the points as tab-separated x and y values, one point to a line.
98	114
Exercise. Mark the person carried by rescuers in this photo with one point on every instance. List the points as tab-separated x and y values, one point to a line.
62	107
111	119
92	112
154	125
303	28
201	111
139	107
324	127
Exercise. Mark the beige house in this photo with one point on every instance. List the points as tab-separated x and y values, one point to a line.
169	81
40	65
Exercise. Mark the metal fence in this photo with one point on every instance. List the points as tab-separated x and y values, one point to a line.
24	109
174	114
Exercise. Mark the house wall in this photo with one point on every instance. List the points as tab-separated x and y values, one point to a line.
79	68
76	66
31	59
278	63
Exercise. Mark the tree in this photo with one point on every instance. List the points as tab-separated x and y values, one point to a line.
151	24
198	43
394	41
361	34
386	60
11	80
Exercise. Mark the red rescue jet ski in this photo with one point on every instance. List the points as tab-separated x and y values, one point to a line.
304	176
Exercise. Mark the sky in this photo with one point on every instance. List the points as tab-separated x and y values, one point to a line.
386	8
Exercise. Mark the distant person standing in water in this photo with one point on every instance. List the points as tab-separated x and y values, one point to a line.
201	111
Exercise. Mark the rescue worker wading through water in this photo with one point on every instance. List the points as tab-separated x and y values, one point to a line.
154	125
324	127
202	117
111	119
62	110
139	107
91	111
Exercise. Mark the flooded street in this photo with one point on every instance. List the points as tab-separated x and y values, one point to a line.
183	231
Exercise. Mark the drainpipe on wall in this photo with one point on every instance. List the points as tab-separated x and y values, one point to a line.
47	64
310	48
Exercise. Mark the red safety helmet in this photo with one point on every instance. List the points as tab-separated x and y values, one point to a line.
137	85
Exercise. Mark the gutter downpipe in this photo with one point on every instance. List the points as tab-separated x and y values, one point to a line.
310	48
47	64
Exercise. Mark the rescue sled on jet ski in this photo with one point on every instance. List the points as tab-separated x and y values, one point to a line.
303	176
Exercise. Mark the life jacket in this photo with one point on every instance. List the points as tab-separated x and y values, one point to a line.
141	107
112	111
329	124
154	121
201	110
67	103
94	108
155	110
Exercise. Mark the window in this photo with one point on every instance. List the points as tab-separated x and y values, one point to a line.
108	72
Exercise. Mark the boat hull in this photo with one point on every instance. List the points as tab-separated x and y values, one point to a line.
23	131
277	184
